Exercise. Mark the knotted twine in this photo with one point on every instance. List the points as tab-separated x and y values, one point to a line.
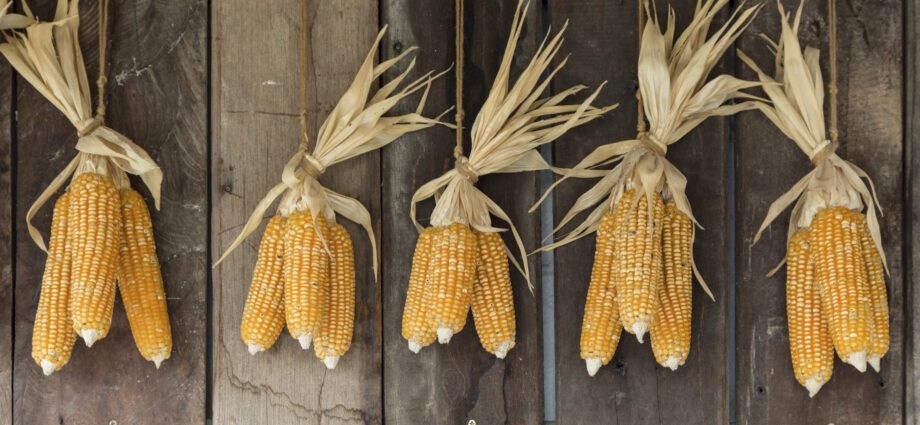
797	109
48	56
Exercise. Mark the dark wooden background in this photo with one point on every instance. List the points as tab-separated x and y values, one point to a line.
209	88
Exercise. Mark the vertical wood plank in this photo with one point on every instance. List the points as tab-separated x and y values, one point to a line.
156	96
912	213
256	106
6	247
460	381
871	136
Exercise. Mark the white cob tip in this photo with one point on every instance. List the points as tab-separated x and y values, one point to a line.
415	347
444	335
305	340
90	336
639	329
47	367
254	348
503	349
158	360
858	360
331	362
876	363
813	385
672	362
593	365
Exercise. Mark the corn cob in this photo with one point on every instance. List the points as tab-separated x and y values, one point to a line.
493	299
452	273
809	338
93	238
52	335
416	328
263	315
305	272
878	295
140	281
670	333
638	268
600	328
841	275
337	328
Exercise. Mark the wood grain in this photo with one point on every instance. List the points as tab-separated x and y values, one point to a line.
255	131
460	381
912	213
768	164
6	246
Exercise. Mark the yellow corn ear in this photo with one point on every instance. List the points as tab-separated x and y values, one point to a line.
416	328
878	295
841	275
638	266
670	333
338	326
263	314
94	231
52	335
140	281
809	338
493	299
306	276
453	273
600	327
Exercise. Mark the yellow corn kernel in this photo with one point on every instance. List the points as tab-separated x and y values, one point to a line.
809	338
493	299
94	231
337	328
263	314
416	328
453	273
878	295
841	274
600	327
670	333
306	276
638	266
141	283
52	334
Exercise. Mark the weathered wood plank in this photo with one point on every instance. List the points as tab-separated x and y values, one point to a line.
871	137
460	381
6	246
156	97
255	131
912	213
631	389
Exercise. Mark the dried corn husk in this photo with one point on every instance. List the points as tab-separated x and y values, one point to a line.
676	99
512	123
11	21
355	126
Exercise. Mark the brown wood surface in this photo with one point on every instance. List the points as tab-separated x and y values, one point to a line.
912	213
632	388
768	165
256	106
6	245
458	382
155	96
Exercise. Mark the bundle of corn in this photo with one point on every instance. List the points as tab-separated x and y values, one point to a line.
835	279
461	261
101	231
304	275
642	279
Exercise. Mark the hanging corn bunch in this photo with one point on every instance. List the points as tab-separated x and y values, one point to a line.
643	265
461	262
304	276
101	233
835	281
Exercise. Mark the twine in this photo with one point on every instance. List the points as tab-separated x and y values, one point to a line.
640	111
304	63
832	87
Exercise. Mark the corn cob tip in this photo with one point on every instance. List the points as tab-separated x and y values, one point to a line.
90	336
445	334
254	348
331	362
158	359
415	347
503	349
857	360
305	341
47	367
672	362
876	363
593	365
813	385
639	329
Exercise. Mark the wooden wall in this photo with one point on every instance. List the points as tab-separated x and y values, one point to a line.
210	89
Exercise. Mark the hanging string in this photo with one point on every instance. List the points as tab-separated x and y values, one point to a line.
832	87
640	112
103	19
304	52
458	31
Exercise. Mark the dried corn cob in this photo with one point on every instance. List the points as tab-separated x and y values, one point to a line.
670	333
841	276
493	299
52	334
93	238
337	328
600	327
638	267
306	276
452	273
140	281
878	295
809	336
263	315
416	328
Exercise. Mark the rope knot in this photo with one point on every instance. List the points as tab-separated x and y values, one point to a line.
87	127
463	167
312	166
824	151
652	143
